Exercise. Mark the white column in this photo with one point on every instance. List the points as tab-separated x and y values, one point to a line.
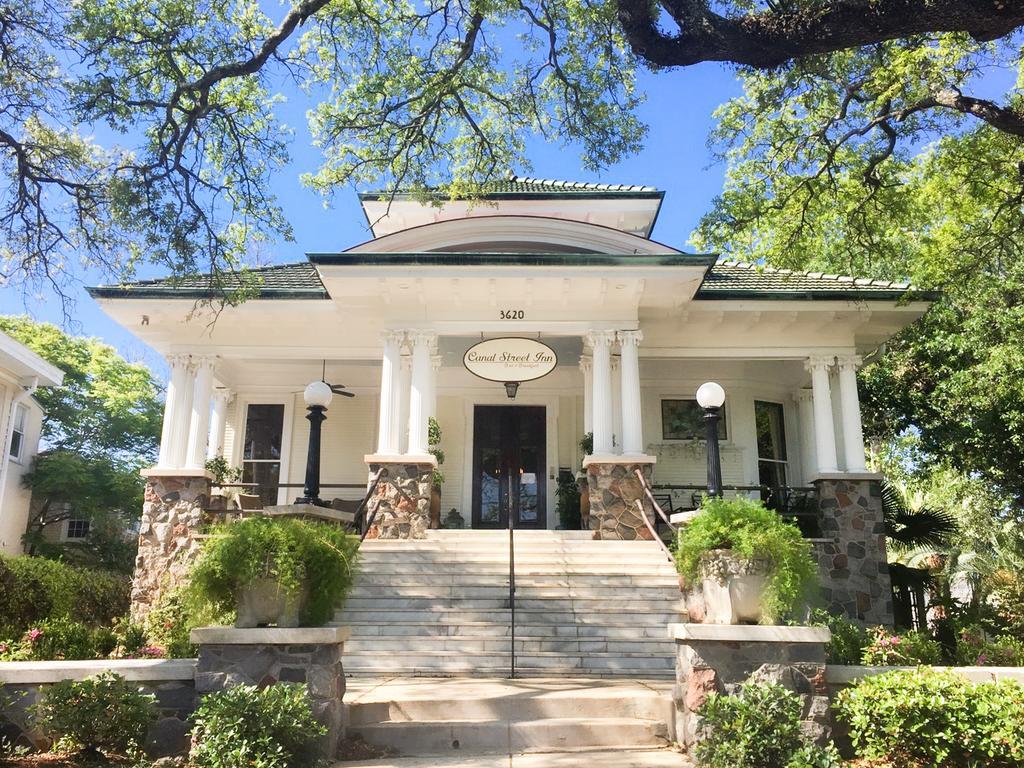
404	379
387	427
218	420
632	416
587	367
805	404
824	430
183	419
435	368
853	429
173	407
199	423
616	406
601	343
419	391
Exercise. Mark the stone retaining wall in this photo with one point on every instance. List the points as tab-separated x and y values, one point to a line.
401	501
614	490
22	684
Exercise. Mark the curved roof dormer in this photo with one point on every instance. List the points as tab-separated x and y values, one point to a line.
513	234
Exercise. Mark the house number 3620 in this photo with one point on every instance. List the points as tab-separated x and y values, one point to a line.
512	314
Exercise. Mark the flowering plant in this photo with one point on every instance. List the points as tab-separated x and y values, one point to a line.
901	650
975	647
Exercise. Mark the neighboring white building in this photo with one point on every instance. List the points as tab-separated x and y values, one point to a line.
637	326
22	372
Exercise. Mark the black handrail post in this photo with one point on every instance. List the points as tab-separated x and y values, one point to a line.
511	582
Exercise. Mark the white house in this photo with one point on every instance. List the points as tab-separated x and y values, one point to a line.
22	372
632	327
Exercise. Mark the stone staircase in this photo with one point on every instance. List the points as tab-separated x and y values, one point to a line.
429	717
439	607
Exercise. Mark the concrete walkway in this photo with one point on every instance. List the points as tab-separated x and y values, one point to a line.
605	759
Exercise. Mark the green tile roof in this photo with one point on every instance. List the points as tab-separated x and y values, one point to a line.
526	186
280	281
729	279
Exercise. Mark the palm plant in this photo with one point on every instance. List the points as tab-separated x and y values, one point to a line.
910	528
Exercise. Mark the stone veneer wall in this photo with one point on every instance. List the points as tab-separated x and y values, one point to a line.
22	684
722	658
614	490
402	501
851	554
230	657
172	514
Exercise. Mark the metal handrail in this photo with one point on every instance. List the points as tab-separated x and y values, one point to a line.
367	524
654	534
654	503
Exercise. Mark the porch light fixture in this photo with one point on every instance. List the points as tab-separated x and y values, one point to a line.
511	387
318	396
711	397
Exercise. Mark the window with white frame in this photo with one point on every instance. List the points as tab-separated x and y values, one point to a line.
76	529
18	432
684	420
261	454
772	463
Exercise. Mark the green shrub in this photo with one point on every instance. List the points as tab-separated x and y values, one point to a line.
901	650
937	719
752	532
757	728
294	552
167	625
36	589
974	647
245	726
101	714
567	502
849	639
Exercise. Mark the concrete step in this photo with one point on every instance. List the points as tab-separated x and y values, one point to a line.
469	644
560	663
443	737
524	617
647	757
522	603
621	631
562	580
523	591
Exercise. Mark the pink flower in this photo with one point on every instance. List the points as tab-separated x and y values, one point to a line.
34	634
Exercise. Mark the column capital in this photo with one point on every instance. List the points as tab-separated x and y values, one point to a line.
849	361
601	338
804	395
392	337
223	395
819	362
204	361
631	338
179	360
586	363
422	337
435	362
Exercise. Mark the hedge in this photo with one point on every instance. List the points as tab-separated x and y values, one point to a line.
35	589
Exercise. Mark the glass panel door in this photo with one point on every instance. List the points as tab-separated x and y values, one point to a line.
261	455
509	460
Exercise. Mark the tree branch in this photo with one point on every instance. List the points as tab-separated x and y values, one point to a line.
769	38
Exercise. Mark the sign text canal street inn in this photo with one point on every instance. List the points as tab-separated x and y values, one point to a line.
510	359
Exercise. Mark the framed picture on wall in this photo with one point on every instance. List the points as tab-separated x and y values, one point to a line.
684	420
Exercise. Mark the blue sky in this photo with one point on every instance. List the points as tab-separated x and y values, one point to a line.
678	111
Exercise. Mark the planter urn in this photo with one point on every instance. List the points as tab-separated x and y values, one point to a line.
733	588
265	603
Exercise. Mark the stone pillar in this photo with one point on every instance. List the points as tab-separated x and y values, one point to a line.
172	516
419	391
805	405
218	419
174	401
401	505
632	415
851	555
853	430
587	367
313	656
824	431
199	424
601	342
720	658
614	490
388	425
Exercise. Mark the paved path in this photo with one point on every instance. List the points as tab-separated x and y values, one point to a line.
607	759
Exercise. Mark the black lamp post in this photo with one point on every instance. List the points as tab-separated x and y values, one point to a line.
318	396
711	397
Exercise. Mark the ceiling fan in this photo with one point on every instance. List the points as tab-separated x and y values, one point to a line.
337	389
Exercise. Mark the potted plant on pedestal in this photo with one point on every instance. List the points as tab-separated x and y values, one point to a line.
587	447
751	565
437	478
222	473
280	572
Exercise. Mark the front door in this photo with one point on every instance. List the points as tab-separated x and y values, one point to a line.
509	461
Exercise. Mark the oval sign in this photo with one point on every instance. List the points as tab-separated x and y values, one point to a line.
510	359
